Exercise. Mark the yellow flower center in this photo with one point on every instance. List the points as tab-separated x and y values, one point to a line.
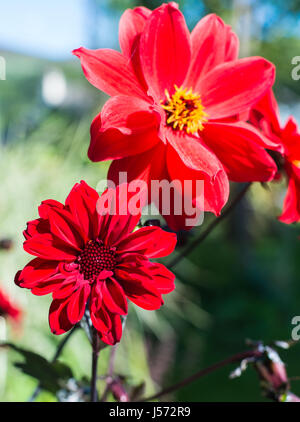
184	110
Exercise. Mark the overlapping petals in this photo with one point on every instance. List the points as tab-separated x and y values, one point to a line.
291	204
232	88
209	50
214	194
165	50
265	117
160	56
116	133
90	259
248	160
109	71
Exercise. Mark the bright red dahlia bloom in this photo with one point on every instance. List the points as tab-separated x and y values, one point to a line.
177	104
265	116
91	260
8	309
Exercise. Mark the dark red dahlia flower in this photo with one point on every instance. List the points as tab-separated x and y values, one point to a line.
89	259
8	309
178	100
265	116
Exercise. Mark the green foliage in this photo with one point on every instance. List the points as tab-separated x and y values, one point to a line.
243	282
51	376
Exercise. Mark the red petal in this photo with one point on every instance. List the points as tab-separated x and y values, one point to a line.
262	139
139	287
143	167
146	296
152	242
101	320
291	205
35	271
193	153
238	149
139	167
40	275
267	111
115	334
120	210
77	303
131	271
234	87
38	226
82	203
212	44
163	279
47	286
145	272
58	318
109	71
126	126
175	206
131	258
232	45
291	139
131	25
46	247
64	228
96	297
113	297
47	205
216	193
66	288
213	198
165	50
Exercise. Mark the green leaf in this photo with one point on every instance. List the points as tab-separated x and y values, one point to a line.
51	376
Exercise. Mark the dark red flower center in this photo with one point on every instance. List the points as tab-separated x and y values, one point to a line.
95	258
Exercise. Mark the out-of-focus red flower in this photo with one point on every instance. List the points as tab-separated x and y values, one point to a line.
178	101
8	309
265	116
88	258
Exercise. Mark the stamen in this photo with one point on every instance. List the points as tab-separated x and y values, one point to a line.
184	110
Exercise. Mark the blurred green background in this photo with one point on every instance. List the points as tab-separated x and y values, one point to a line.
242	282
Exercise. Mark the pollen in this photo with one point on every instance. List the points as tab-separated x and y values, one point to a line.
95	258
184	110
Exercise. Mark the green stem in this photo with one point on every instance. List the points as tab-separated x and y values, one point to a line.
95	356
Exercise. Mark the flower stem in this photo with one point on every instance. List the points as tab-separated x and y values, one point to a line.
95	356
235	358
110	373
203	235
58	352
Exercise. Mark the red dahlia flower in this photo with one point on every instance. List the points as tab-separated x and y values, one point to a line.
177	104
265	116
8	309
94	261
